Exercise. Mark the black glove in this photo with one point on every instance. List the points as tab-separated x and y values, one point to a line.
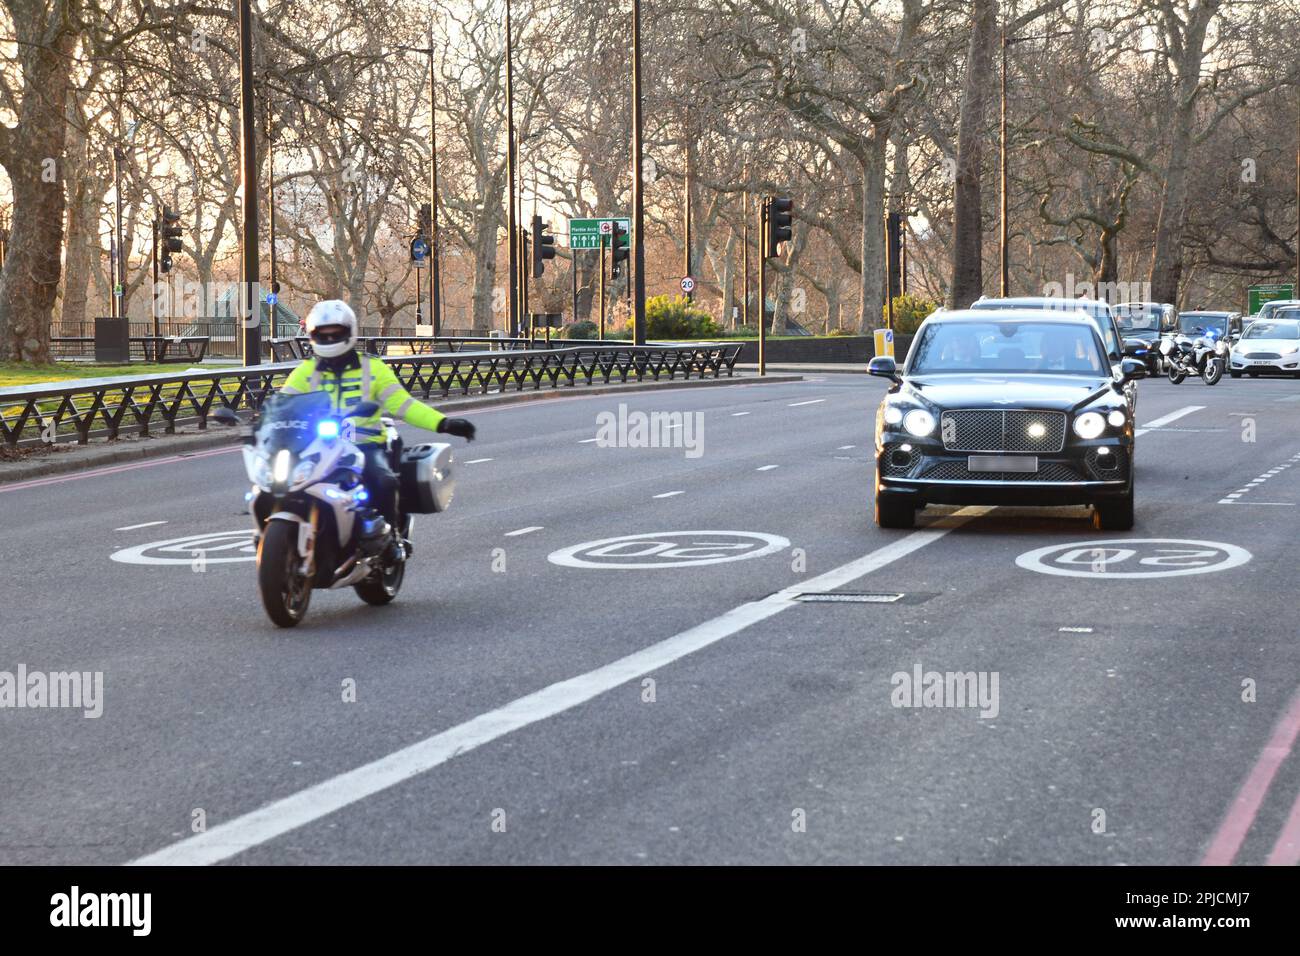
460	427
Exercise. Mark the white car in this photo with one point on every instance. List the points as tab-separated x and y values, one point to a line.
1267	346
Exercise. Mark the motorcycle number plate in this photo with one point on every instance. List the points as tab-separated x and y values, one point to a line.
1016	463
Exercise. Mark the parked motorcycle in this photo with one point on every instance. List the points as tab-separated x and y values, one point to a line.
1197	353
315	526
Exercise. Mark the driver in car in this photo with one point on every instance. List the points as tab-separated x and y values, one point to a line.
351	377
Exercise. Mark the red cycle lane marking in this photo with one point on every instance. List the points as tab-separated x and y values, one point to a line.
1286	851
114	469
1241	814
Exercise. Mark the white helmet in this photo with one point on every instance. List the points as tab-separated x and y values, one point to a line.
328	313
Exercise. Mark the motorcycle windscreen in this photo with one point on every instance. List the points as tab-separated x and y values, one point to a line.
289	421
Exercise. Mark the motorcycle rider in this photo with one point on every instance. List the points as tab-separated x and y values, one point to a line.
351	377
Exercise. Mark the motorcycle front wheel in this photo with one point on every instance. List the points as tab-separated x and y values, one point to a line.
1176	374
286	591
1212	372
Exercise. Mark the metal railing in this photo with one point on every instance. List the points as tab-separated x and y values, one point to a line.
144	404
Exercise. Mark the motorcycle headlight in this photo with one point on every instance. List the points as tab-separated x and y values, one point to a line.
1166	346
893	414
918	422
280	466
1089	425
1219	347
259	469
1117	418
303	471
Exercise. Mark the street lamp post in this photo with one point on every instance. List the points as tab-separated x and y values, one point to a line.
1003	229
512	290
638	186
251	339
435	269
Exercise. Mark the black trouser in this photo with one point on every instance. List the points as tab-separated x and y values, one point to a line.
380	480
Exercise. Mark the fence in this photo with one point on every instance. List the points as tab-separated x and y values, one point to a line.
142	404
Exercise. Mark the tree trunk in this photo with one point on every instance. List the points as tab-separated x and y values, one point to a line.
968	231
872	289
32	154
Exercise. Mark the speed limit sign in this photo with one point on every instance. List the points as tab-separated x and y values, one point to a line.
688	285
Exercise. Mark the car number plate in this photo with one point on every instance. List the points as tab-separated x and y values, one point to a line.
1262	361
1017	463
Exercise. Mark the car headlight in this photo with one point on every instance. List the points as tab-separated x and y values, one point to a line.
1089	425
1289	350
1117	418
893	414
918	422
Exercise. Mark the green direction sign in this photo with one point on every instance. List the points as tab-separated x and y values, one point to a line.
586	233
1259	294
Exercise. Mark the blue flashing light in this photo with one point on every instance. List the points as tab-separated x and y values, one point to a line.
327	428
363	495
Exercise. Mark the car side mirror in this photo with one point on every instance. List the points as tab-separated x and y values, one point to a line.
885	367
222	415
1133	369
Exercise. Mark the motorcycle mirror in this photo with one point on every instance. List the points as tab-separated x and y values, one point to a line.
223	415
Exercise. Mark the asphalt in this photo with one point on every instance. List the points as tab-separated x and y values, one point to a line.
768	733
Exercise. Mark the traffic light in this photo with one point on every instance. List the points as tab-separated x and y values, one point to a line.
619	241
171	238
779	224
543	246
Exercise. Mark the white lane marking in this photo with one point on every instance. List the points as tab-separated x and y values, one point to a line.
1279	504
1075	630
1289	398
845	447
233	837
529	530
669	494
477	461
767	467
1166	419
588	441
815	401
738	414
1231	499
147	524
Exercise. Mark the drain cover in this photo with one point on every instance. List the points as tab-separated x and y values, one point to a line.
850	597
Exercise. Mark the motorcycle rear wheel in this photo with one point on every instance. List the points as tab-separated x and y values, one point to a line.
286	591
382	587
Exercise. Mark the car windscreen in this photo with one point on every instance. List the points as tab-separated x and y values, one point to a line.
1013	346
1138	320
1273	330
1204	321
1289	314
1100	315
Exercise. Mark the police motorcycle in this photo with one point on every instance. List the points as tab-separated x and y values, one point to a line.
314	524
1198	352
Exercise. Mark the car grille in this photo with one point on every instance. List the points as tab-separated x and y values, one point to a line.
957	471
992	429
1262	355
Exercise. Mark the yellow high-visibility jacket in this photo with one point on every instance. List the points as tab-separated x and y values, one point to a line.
357	377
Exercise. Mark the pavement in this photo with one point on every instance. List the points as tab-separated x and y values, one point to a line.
525	702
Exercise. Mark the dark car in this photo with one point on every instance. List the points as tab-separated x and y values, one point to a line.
1100	313
1141	325
1018	408
1212	325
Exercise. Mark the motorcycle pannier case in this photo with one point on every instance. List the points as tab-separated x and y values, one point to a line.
425	479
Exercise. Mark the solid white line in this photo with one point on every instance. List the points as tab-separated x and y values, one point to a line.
147	524
1279	504
738	414
515	534
1171	417
669	494
476	461
233	837
815	401
588	441
767	467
